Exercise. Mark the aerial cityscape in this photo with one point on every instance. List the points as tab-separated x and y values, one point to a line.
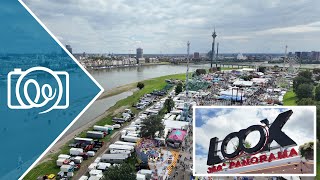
142	127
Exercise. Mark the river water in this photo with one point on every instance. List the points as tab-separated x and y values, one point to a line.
112	78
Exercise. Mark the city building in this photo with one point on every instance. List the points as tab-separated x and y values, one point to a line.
141	60
297	54
139	53
305	55
196	55
69	48
241	57
315	55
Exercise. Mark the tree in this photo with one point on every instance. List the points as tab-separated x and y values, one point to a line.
305	102
169	104
178	88
120	172
262	69
304	91
140	85
306	150
151	125
316	71
305	74
317	93
200	71
297	81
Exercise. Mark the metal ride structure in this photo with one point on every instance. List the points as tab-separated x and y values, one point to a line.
291	65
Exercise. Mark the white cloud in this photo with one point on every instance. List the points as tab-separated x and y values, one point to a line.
165	25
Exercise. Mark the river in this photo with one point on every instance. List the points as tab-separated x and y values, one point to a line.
112	78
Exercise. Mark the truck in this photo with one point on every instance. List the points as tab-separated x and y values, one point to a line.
114	158
96	134
125	143
76	151
130	139
100	128
85	141
120	151
118	120
121	147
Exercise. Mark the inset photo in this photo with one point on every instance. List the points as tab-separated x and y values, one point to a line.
260	141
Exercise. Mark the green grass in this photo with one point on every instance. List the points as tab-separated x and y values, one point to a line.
49	166
290	99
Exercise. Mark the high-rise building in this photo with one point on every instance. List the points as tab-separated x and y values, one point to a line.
315	55
139	53
196	55
304	55
297	54
69	48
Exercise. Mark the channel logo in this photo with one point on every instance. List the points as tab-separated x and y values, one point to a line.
38	87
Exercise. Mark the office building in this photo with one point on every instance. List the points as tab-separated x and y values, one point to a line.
139	53
196	55
69	48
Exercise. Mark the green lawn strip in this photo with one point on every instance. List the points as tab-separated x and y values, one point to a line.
50	167
289	99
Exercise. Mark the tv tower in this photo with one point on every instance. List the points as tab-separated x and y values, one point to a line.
186	104
214	35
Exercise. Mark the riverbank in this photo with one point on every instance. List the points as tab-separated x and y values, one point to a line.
124	66
48	163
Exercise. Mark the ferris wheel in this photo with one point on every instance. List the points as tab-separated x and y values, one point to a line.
292	64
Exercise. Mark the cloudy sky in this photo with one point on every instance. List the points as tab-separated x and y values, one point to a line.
120	26
219	122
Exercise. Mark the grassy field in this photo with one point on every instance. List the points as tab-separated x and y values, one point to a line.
49	166
290	99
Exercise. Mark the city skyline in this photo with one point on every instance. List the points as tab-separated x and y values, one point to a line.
123	26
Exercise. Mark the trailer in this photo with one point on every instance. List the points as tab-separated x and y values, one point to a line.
83	178
95	172
78	159
95	134
63	156
133	134
92	166
76	151
60	162
116	126
110	127
130	139
103	166
100	128
141	177
125	143
114	158
118	120
130	128
66	168
85	141
121	147
120	151
91	153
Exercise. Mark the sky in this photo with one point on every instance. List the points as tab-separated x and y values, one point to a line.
219	122
165	26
